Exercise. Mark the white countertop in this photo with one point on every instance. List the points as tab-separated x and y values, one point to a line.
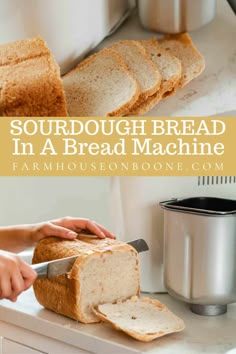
202	334
214	91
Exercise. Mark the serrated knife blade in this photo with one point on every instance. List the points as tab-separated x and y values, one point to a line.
61	266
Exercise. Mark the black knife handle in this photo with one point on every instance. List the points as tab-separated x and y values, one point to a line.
233	5
41	269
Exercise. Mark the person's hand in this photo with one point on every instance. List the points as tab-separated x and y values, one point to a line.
15	276
68	228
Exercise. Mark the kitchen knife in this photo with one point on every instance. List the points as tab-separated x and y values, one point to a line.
64	265
225	114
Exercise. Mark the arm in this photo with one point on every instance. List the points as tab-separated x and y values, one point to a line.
15	238
18	238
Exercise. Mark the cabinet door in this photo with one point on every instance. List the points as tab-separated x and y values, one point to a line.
11	347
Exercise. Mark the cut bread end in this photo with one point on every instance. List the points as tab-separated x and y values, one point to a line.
143	319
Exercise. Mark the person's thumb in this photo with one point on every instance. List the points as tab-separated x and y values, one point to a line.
28	274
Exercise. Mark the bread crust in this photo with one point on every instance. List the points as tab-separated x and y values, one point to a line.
138	335
16	52
62	293
30	83
166	88
122	110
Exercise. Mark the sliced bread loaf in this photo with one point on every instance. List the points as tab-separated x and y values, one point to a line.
142	68
30	83
105	271
101	85
170	69
182	47
143	319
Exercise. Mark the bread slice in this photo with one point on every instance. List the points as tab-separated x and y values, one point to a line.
182	47
30	83
143	319
170	69
101	85
141	66
105	271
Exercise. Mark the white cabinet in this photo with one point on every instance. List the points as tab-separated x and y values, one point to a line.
17	340
11	347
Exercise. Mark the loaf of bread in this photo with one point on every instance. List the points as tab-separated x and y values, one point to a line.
105	271
128	78
30	83
102	85
143	319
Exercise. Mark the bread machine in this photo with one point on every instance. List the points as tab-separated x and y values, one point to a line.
71	28
200	252
136	214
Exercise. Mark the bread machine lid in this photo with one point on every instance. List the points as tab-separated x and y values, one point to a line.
202	205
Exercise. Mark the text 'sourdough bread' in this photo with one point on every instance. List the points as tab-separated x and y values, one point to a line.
181	46
141	66
102	85
143	319
105	271
170	69
30	83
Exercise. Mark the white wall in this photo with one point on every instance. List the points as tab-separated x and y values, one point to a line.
34	199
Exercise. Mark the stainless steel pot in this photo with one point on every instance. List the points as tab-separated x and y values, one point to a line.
175	16
200	252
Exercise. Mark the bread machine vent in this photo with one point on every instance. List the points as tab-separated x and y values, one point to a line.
211	180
